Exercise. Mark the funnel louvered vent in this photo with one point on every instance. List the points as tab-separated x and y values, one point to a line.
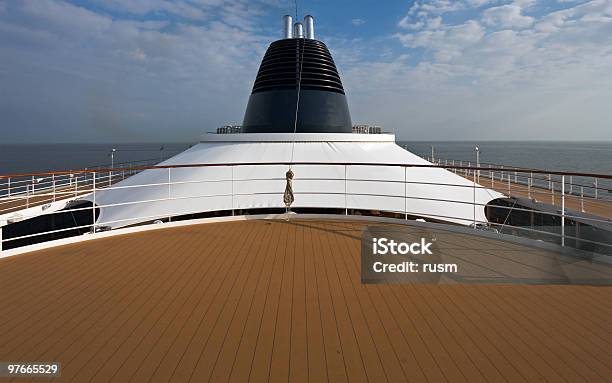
279	69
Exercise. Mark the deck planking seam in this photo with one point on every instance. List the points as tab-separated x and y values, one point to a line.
281	345
111	294
557	337
367	350
136	321
220	264
464	362
156	351
238	321
365	293
245	351
353	349
586	304
260	322
54	274
482	362
262	360
507	320
438	349
331	332
298	360
188	362
574	323
45	322
487	336
511	343
351	278
126	321
128	360
322	369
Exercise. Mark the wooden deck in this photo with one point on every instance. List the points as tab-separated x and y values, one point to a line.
24	201
282	301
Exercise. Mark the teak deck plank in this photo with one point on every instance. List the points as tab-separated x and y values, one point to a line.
283	301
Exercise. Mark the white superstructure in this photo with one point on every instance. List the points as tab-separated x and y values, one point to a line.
341	182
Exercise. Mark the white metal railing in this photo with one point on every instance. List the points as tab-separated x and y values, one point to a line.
584	186
91	182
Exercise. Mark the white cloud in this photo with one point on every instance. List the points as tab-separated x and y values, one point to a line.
547	77
138	54
357	22
436	6
88	76
143	7
506	16
446	42
74	70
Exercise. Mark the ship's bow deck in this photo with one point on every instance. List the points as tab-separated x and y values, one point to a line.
282	300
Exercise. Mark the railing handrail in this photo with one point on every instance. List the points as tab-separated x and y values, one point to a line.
401	165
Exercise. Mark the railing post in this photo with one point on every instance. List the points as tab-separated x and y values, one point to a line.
9	186
474	194
169	216
53	182
582	198
595	188
345	191
468	170
550	182
406	195
562	210
529	186
27	195
552	192
508	183
93	206
571	185
32	184
515	177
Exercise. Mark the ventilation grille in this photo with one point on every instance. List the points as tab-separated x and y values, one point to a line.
280	66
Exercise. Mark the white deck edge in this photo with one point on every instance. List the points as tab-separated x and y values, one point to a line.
373	219
298	137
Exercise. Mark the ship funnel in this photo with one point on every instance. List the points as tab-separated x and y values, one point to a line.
288	26
309	22
298	31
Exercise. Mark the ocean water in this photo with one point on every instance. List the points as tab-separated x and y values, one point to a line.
588	157
585	157
26	158
581	157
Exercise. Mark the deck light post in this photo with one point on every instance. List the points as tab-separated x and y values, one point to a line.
477	162
110	175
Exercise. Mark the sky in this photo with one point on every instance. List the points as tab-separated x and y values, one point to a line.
169	71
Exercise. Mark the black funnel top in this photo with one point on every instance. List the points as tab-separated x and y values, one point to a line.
323	107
